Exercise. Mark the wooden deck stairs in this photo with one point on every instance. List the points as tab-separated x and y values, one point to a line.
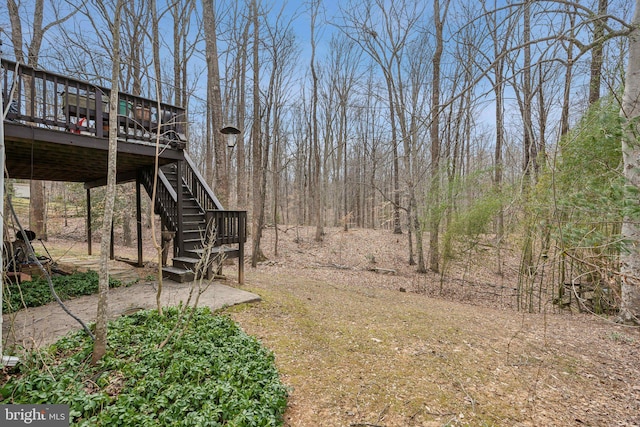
205	234
56	128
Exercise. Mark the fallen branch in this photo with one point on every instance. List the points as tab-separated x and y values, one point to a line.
336	266
382	270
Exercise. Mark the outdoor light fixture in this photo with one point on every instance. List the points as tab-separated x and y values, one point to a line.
231	133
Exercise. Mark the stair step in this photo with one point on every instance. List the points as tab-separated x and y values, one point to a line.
191	246
186	263
176	274
193	229
192	225
230	252
192	210
199	228
186	259
197	241
193	233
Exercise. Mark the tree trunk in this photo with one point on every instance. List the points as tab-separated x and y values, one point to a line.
317	194
256	135
100	344
216	147
597	52
530	160
630	258
528	166
434	131
241	184
568	75
37	203
397	227
37	207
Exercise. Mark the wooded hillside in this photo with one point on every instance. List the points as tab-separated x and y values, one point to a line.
450	123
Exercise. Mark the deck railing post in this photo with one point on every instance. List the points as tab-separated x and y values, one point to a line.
210	222
242	227
179	219
99	118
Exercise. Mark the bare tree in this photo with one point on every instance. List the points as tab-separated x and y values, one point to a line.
316	188
259	196
397	23
439	17
414	108
500	42
282	51
597	51
630	259
183	47
343	74
235	90
100	343
37	204
215	150
136	20
382	31
568	75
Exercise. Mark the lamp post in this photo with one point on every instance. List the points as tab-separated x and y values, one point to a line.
231	133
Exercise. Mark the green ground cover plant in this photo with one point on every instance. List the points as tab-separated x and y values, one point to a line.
209	374
36	292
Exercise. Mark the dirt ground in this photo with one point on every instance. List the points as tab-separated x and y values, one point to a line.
396	348
363	340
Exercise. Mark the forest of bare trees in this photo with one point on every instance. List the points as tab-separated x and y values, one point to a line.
445	121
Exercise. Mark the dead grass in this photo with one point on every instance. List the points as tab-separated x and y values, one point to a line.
360	348
358	352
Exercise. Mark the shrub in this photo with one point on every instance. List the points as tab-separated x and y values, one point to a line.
213	374
36	292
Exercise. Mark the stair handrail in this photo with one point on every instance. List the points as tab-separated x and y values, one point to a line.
164	194
167	185
202	183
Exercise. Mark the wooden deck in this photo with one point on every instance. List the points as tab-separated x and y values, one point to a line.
56	128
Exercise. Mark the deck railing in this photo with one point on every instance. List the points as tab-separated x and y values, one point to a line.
230	226
42	98
198	186
166	202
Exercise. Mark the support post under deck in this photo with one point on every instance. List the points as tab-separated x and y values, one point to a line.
89	221
139	218
111	251
242	230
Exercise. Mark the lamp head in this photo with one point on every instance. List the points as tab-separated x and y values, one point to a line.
231	133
